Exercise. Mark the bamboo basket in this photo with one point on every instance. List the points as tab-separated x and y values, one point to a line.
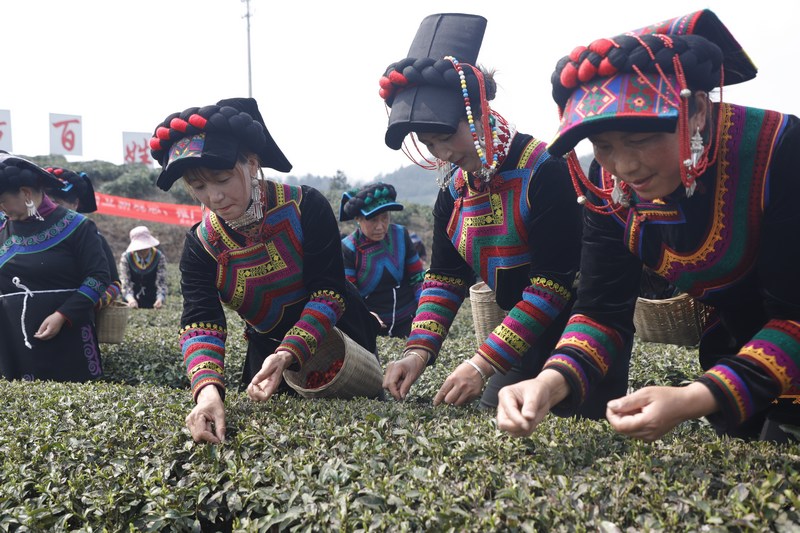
678	320
486	314
111	322
360	375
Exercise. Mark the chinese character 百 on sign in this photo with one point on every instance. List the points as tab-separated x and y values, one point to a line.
136	148
66	136
5	130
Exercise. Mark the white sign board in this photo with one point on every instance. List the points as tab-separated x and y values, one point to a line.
66	135
5	130
136	148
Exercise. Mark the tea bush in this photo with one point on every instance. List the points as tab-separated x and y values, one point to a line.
115	456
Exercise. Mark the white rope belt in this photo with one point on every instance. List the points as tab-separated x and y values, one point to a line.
394	309
28	294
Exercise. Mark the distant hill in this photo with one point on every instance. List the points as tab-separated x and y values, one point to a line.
414	184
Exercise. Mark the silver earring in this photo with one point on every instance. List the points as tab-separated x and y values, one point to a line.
696	147
444	171
255	196
618	195
32	211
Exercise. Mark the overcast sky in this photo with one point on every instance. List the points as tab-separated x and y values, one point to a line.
124	65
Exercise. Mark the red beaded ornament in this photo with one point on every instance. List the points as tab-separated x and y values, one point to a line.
691	167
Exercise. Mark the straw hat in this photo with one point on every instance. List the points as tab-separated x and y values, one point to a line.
141	239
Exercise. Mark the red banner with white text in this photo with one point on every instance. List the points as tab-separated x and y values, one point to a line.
178	214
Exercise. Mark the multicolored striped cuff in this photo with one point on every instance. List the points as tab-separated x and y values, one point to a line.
775	350
541	303
585	341
113	292
318	318
203	349
438	304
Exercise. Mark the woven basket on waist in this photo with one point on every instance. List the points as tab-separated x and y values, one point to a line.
678	320
111	322
486	314
360	375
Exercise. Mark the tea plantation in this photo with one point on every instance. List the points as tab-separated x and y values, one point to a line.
115	456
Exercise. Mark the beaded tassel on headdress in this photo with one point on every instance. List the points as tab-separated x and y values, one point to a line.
501	133
695	157
487	169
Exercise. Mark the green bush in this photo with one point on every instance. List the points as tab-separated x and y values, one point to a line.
115	455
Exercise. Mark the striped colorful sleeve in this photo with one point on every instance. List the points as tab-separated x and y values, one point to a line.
350	274
541	303
583	356
772	357
113	291
319	316
349	253
439	302
415	270
203	349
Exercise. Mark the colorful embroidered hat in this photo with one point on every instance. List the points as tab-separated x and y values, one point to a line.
424	90
616	84
213	137
75	188
16	172
141	239
368	201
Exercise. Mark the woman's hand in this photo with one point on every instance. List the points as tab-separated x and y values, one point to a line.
266	381
206	422
464	383
158	303
401	374
650	413
522	406
133	304
50	327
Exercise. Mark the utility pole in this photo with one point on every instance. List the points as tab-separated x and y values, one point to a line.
249	68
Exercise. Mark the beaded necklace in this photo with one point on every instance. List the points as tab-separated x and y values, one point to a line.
254	212
487	169
500	130
504	134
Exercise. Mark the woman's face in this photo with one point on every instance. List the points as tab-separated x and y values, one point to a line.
648	162
225	192
376	227
457	148
12	203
